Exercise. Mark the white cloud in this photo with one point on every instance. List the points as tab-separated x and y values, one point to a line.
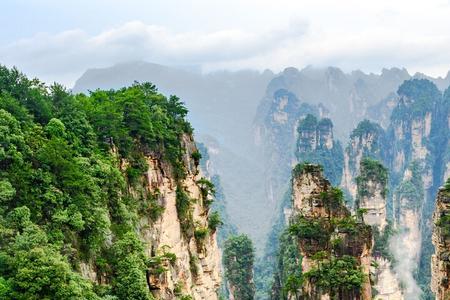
350	34
71	52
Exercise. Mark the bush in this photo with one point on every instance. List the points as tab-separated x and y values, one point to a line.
214	221
184	210
337	274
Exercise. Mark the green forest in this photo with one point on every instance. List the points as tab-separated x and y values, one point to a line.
64	198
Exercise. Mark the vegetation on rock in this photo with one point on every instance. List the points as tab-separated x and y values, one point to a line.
238	259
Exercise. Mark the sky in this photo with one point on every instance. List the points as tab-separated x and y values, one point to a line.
58	40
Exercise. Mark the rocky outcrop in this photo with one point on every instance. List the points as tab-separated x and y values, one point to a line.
315	144
371	201
184	259
366	140
328	238
440	260
408	201
196	270
372	192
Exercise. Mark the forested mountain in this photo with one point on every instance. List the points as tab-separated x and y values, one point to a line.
222	106
106	195
232	110
101	196
391	177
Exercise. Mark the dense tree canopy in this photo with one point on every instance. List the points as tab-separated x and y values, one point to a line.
63	198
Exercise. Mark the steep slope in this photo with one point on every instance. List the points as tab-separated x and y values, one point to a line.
333	248
440	266
366	140
101	196
342	93
222	106
371	202
416	132
315	144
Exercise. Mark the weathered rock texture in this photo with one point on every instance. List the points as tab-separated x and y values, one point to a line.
316	203
440	260
196	271
372	190
372	196
197	268
367	140
315	144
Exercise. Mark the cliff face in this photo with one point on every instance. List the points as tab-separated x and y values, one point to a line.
315	144
342	93
372	192
372	198
415	154
276	135
367	140
440	260
196	270
184	259
329	240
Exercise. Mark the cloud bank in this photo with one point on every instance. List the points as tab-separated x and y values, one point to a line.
345	34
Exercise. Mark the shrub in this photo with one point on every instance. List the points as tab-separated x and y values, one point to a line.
184	210
214	221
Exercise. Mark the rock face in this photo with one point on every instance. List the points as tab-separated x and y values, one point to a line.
367	140
372	197
197	267
276	139
440	260
315	144
342	93
372	190
328	238
183	262
415	133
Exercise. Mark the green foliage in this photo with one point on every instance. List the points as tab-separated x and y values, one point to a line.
185	212
214	221
313	229
446	188
381	245
422	93
193	265
151	208
289	276
129	271
200	235
444	224
196	156
337	276
411	189
371	170
306	167
64	198
207	189
32	268
156	263
364	128
238	258
311	147
346	225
